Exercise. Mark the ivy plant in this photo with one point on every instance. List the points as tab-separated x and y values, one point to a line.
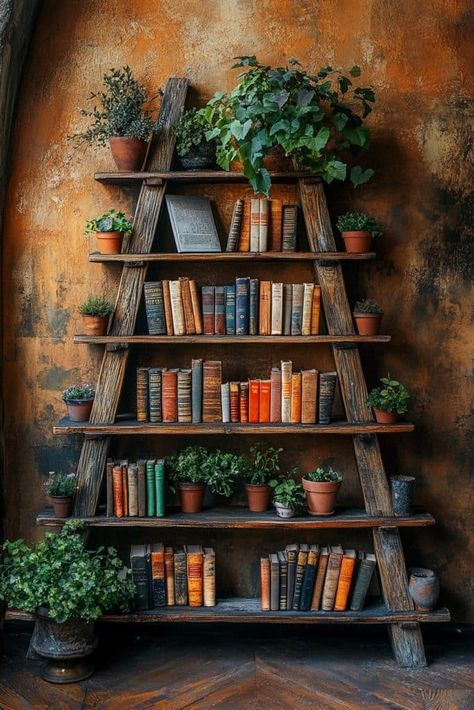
223	469
391	396
261	464
60	484
189	131
311	116
111	221
358	222
96	306
78	392
323	475
287	491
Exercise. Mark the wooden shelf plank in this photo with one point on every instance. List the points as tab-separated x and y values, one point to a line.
131	426
230	339
97	257
241	518
154	177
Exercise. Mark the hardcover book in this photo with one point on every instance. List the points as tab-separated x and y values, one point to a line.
254	299
132	489
194	566
309	578
142	394
263	225
299	575
193	224
320	577
254	224
169	575
316	310
295	410
196	390
277	309
180	578
225	401
167	306
362	581
141	488
230	309
242	297
291	556
283	562
265	583
264	401
150	489
124	467
160	488
184	396
332	577
297	309
209	574
208	309
158	580
254	401
154	394
244	240
139	562
308	289
327	389
154	307
109	476
309	396
234	389
286	371
118	491
275	395
211	398
189	326
345	580
275	224
196	306
177	310
289	228
265	315
235	225
169	394
287	302
274	582
219	310
244	401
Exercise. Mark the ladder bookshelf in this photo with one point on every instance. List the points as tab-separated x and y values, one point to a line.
397	611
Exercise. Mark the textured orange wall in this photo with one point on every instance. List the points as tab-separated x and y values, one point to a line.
419	59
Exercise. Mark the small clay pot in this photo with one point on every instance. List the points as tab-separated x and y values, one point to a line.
258	497
109	242
275	161
423	586
95	325
191	496
321	496
62	505
283	511
128	153
79	410
402	490
385	417
357	242
368	323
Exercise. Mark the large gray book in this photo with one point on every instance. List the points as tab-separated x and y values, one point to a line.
193	224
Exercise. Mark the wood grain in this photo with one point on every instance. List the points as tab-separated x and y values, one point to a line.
127	178
229	339
99	258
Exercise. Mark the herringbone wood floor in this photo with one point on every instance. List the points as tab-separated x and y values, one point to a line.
242	668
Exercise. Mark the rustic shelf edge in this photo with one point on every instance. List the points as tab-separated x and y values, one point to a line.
230	339
276	256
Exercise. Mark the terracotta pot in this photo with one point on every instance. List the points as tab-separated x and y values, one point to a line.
385	417
424	588
191	496
321	496
128	153
368	323
79	411
357	242
283	511
95	325
275	161
62	505
258	497
109	242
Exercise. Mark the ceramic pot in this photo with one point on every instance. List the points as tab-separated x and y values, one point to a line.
79	410
283	511
368	323
95	325
128	153
66	646
402	490
191	496
321	496
200	157
357	242
258	497
62	505
385	417
109	242
274	161
424	588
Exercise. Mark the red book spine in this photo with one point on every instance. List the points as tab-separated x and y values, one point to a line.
169	394
125	487
118	491
244	401
254	400
264	404
234	402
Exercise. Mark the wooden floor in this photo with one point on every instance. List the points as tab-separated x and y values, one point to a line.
240	668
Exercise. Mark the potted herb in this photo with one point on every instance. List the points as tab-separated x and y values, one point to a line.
79	399
95	315
321	487
288	495
110	229
60	489
68	587
223	470
189	470
119	116
260	467
368	317
389	400
358	230
310	117
194	150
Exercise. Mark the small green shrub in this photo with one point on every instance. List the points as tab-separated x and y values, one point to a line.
358	222
323	475
78	392
189	132
96	306
111	221
223	470
368	305
190	465
60	484
261	464
391	397
287	491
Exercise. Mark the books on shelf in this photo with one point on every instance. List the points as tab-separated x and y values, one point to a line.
138	489
262	224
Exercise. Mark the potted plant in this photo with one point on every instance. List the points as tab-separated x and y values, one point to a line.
310	117
194	150
389	400
95	315
79	399
368	317
189	470
321	487
110	229
119	116
68	587
222	472
260	467
60	489
358	230
288	495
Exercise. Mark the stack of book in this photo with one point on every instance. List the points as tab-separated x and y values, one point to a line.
198	395
313	578
167	577
260	225
135	489
173	307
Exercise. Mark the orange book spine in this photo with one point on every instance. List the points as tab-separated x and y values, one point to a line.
244	241
265	583
167	306
187	306
195	578
169	576
276	209
264	401
264	311
196	306
169	395
118	491
344	583
244	401
295	416
316	310
125	487
234	402
254	400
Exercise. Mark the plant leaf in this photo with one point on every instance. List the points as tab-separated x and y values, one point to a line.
355	71
360	176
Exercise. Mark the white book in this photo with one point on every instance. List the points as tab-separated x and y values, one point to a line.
277	309
307	308
177	310
254	224
225	401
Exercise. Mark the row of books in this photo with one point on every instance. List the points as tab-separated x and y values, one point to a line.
164	576
135	489
311	578
198	395
248	307
261	224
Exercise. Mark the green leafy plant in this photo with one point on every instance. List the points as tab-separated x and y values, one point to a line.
78	392
358	222
323	475
60	574
96	306
287	491
261	464
111	221
310	116
368	305
391	397
222	470
190	465
189	131
119	110
60	484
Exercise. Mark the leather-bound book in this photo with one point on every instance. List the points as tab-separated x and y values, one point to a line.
275	225
155	308
244	240
308	289
265	583
154	394
230	309
225	401
196	390
169	576
142	394
275	395
345	580
320	578
244	401
160	488
327	389
263	225
118	490
316	310
209	576
277	309
211	391
265	313
177	310
283	561
124	465
309	578
286	372
197	317
309	396
169	395
297	309
235	226
295	411
242	298
158	577
141	488
167	305
254	401
150	489
109	479
264	401
291	556
184	396
133	489
289	227
299	575
180	578
208	309
274	582
219	310
194	566
332	577
187	306
234	389
254	291
362	581
287	302
254	224
139	555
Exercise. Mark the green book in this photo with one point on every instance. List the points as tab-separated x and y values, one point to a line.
150	489
160	488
